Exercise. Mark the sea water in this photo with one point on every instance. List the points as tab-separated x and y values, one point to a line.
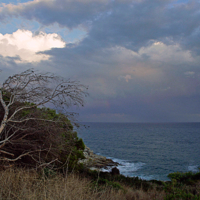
147	150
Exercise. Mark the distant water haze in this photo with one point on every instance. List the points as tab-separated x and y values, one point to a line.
146	150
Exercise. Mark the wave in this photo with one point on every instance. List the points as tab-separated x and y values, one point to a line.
131	169
193	168
125	167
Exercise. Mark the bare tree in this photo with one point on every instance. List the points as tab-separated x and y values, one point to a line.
22	97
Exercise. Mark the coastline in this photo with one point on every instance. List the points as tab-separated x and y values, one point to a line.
93	161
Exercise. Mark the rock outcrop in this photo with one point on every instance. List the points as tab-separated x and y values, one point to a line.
96	162
115	171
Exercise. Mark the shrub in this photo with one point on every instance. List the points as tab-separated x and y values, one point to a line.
31	134
43	141
185	177
183	186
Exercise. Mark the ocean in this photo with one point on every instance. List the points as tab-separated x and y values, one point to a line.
146	150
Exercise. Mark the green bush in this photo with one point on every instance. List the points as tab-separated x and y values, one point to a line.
175	191
182	186
80	144
185	177
48	173
50	138
112	184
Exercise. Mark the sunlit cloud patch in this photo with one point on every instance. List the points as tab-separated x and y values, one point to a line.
25	45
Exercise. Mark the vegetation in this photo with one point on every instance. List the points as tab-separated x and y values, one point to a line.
42	142
183	186
28	184
32	135
39	150
18	183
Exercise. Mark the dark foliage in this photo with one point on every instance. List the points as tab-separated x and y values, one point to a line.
46	140
184	186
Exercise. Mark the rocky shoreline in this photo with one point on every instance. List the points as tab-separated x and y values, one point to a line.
96	162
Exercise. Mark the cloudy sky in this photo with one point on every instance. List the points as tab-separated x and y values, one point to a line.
140	58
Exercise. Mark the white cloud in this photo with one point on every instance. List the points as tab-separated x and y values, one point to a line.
126	77
26	46
159	51
189	73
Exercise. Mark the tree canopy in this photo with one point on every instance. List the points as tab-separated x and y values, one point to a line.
32	134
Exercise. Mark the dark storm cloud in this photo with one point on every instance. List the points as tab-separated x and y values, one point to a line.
136	25
140	58
70	13
131	24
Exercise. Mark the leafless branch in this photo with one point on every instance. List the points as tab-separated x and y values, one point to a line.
11	154
22	96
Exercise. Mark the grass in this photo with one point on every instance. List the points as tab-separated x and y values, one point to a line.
23	184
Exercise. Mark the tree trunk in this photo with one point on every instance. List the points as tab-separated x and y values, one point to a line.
3	123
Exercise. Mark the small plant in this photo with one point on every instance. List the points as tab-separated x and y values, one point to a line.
182	186
112	184
47	173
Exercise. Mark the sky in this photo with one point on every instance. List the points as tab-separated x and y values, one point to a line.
140	58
